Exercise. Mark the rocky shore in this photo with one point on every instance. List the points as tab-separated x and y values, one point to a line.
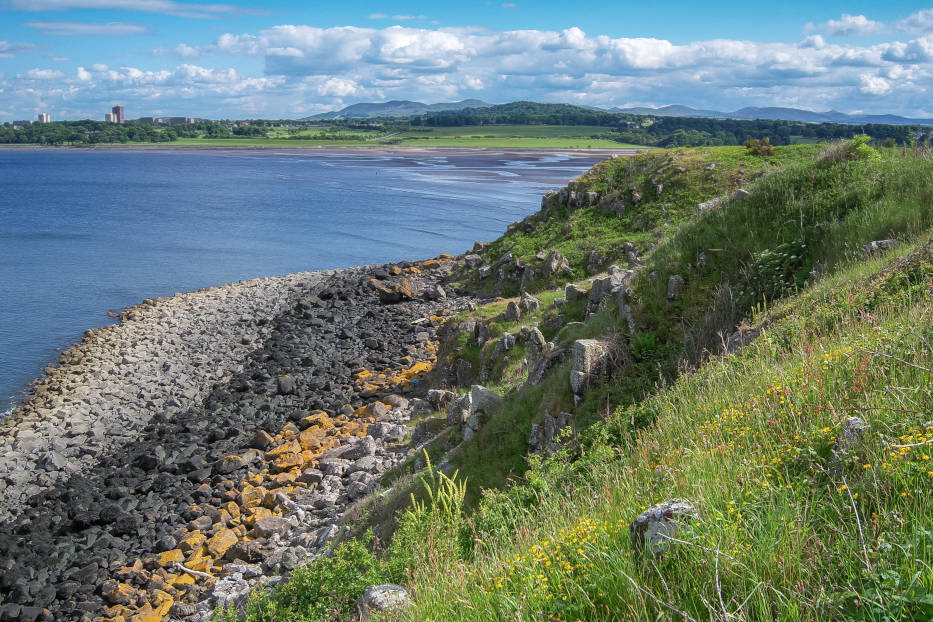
211	441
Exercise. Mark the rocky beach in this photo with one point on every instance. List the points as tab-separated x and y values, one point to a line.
211	441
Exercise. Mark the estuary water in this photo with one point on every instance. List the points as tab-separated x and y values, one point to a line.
87	232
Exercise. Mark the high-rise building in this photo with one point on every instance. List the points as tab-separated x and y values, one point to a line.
109	118
44	117
117	114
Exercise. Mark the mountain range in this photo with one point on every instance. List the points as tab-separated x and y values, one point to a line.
395	108
405	108
775	113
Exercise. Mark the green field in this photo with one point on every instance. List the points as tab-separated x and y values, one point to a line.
498	136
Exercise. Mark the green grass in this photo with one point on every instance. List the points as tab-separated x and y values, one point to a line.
784	533
747	439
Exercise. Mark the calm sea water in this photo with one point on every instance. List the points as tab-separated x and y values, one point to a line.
83	233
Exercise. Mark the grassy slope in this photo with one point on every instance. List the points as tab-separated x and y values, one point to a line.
745	437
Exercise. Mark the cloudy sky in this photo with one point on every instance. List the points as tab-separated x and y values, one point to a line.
76	58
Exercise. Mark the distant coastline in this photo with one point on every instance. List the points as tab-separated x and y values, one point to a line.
321	148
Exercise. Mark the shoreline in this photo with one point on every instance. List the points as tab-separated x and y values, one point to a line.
266	407
379	149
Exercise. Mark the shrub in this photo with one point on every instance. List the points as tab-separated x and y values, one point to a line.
431	532
848	150
325	589
761	147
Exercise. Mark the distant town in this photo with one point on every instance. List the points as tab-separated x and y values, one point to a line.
117	114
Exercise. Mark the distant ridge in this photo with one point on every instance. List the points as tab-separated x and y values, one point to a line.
395	108
775	113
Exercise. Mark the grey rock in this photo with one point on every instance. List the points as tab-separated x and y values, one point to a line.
513	312
850	436
268	526
464	371
528	303
590	361
364	447
878	246
230	590
286	385
382	598
675	287
439	398
653	527
572	292
740	195
459	410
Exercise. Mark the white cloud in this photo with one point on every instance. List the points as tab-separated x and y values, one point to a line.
378	16
166	7
57	58
874	85
919	22
44	74
307	68
81	28
850	26
9	49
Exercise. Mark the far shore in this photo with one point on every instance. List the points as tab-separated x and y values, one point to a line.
387	149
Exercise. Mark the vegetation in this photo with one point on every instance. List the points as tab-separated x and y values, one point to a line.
788	529
515	125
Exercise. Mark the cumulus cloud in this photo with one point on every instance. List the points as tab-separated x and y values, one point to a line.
874	85
44	74
116	29
165	7
919	22
9	49
308	68
850	26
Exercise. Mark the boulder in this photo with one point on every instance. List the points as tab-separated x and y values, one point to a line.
439	398
512	312
382	598
528	303
286	385
268	526
877	247
850	435
464	372
590	361
572	292
741	338
459	411
364	447
484	404
392	292
740	195
653	527
675	287
555	263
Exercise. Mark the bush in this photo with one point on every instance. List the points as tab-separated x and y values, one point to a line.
761	147
325	589
431	533
849	150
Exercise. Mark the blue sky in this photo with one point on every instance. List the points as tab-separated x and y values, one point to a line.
76	58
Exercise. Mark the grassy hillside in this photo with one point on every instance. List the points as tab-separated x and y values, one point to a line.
788	525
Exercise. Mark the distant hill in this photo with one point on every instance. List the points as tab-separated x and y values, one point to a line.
775	113
670	111
395	108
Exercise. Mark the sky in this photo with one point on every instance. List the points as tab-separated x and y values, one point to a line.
75	59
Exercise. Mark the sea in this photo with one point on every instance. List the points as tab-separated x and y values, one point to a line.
87	232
